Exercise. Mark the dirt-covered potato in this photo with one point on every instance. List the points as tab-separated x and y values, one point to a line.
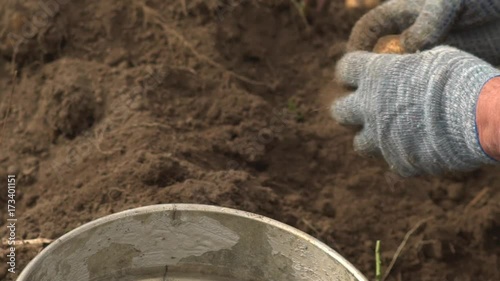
361	4
390	44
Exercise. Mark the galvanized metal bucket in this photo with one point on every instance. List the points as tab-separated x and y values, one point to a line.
188	242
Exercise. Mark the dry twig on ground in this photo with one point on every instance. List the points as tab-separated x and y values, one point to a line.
38	242
402	246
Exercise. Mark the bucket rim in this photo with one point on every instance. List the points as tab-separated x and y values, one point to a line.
38	260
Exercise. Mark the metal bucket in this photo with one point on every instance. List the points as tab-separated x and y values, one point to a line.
185	242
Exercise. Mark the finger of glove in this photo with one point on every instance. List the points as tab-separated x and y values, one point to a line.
482	41
351	68
399	164
432	24
348	110
479	12
365	142
389	18
406	172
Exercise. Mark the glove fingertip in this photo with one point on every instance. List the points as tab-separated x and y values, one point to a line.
346	111
413	41
349	69
338	111
404	172
360	40
364	143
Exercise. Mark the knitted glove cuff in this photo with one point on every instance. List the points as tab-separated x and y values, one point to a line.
460	112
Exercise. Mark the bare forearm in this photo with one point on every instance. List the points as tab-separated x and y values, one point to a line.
488	118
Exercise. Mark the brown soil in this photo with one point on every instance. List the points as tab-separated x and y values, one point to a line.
119	104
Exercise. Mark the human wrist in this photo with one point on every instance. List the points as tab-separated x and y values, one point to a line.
488	118
456	111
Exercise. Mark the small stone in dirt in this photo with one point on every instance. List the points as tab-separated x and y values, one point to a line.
115	194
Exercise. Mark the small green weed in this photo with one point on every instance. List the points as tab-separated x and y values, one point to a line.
293	108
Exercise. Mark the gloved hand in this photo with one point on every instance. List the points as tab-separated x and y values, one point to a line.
470	25
418	111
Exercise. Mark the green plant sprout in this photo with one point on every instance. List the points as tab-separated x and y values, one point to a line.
292	107
302	8
378	262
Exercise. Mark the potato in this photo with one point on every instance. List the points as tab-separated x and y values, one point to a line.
361	4
390	44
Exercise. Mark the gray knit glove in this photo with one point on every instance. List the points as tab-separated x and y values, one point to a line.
427	23
418	110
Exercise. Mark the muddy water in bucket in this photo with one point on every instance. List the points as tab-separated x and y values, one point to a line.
158	274
188	243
